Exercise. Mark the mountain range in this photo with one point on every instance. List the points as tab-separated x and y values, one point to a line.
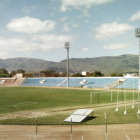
106	64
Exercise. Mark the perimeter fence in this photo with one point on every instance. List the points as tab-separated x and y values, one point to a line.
115	132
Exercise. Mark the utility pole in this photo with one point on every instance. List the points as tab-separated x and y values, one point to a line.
67	48
106	126
137	33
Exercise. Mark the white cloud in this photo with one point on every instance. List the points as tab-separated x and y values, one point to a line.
47	42
26	10
30	25
36	40
13	47
85	49
69	26
66	4
86	21
85	12
135	16
75	25
115	46
63	19
110	30
66	28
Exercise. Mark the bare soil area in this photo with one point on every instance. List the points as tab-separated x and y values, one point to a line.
63	132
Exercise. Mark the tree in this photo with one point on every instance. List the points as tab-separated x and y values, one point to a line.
116	74
77	75
20	71
50	72
4	72
13	73
63	74
43	71
97	73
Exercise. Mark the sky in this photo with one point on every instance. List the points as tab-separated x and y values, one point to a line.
94	28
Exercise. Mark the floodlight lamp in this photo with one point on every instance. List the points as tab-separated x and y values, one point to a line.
67	45
133	106
117	109
137	32
138	111
125	112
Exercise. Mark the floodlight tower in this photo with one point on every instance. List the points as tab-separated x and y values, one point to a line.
67	47
137	32
133	104
125	112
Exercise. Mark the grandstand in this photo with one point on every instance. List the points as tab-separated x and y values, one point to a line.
91	82
6	82
116	83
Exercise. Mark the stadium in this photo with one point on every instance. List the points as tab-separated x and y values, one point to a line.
38	112
69	70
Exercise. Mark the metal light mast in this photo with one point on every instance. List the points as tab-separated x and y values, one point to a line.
137	32
67	47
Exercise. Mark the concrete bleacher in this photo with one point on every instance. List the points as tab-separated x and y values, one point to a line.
8	82
116	83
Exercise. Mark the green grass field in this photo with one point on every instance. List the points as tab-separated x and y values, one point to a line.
15	99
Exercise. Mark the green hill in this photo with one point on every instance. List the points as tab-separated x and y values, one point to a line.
106	64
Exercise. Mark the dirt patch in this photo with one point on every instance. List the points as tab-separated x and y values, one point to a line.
63	132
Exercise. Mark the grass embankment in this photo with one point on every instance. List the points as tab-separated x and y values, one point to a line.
32	98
